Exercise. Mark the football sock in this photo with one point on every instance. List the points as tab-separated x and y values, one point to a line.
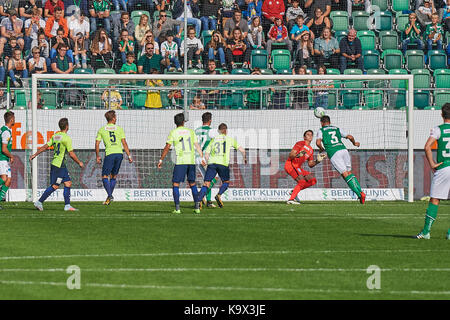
66	194
46	194
223	188
300	185
430	217
195	193
107	186
353	184
310	183
112	184
202	193
3	191
208	194
176	197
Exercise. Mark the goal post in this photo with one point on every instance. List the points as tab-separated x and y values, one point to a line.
257	130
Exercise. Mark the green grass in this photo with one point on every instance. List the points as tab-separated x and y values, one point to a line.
251	250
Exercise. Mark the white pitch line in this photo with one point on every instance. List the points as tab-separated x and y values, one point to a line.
162	254
216	288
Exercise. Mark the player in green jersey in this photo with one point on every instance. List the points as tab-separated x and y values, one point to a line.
204	137
61	143
185	143
329	139
6	157
113	138
218	156
440	185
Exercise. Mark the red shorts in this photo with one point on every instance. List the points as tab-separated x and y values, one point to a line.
294	171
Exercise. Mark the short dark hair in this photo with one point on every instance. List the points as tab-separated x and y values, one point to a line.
222	126
325	119
446	111
8	116
179	119
63	123
111	114
309	130
206	117
58	8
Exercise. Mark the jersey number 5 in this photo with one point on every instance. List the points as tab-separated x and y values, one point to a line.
112	136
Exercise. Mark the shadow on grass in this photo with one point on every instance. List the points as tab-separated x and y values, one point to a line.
387	235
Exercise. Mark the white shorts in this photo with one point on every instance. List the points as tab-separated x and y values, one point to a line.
341	161
440	185
5	169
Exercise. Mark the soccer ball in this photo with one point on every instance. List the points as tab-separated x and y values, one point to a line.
319	112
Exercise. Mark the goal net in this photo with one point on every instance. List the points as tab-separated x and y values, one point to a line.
267	114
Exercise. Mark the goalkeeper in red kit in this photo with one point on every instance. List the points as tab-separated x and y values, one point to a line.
301	152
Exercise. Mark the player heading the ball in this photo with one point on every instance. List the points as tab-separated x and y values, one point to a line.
440	184
329	138
185	143
6	157
218	156
301	152
113	138
61	143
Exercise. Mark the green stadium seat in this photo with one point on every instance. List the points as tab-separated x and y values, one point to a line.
266	71
397	99
422	78
398	84
373	99
239	71
388	40
371	59
83	71
206	36
340	20
281	59
311	71
442	78
381	4
367	38
340	34
415	59
383	20
401	20
350	98
105	71
353	83
94	99
333	71
421	98
392	59
437	59
20	99
400	5
138	98
135	16
376	83
259	59
361	20
441	97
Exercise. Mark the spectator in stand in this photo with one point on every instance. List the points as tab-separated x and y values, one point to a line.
446	16
5	6
141	29
254	10
318	23
351	3
412	33
11	26
60	39
153	96
321	97
227	10
17	67
425	11
32	27
101	50
125	22
119	3
297	31
305	51
37	64
193	13
215	49
350	47
164	25
80	51
326	49
338	5
197	104
278	33
209	14
62	64
44	47
149	38
126	44
150	60
55	22
161	4
129	67
26	8
300	92
236	51
324	5
50	7
169	49
99	12
209	93
255	36
79	24
10	47
236	22
74	7
292	13
434	33
194	49
176	95
271	9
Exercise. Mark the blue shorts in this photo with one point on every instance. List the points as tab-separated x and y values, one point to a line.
180	171
213	169
58	175
111	164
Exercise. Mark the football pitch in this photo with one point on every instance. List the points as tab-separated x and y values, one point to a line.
246	250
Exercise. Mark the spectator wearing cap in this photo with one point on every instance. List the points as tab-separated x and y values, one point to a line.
54	22
11	26
164	24
192	13
351	51
26	8
99	12
169	49
271	9
32	27
51	5
5	6
209	14
235	22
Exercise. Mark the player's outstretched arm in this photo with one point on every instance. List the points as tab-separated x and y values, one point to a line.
429	153
319	145
97	151
244	155
352	140
163	155
39	151
127	150
75	158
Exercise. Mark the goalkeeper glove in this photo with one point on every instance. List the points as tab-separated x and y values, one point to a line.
320	157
